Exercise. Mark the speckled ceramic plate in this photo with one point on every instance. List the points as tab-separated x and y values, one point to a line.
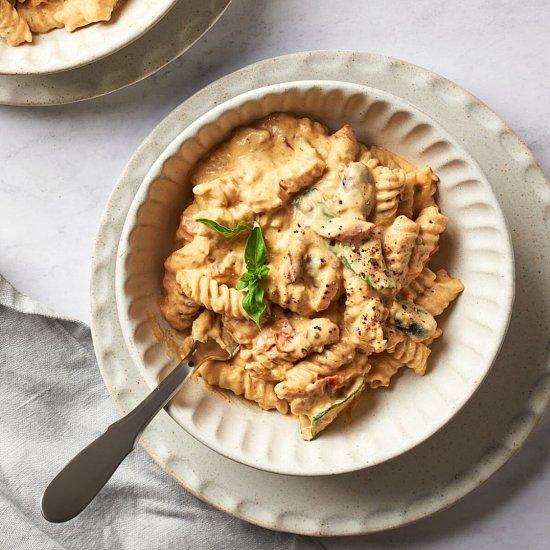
477	441
60	50
187	21
475	247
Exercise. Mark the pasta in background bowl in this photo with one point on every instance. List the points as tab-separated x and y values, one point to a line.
97	29
476	248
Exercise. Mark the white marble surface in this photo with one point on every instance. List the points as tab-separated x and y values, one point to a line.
58	165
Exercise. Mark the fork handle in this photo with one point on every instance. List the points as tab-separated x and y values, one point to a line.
75	486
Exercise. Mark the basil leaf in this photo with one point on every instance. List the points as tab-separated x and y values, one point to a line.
253	302
255	256
255	253
241	285
262	271
246	278
244	281
225	231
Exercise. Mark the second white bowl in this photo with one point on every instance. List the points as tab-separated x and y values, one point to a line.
60	50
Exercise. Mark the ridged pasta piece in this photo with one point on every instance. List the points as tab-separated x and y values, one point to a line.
212	295
306	372
76	13
13	28
366	157
302	172
241	330
285	340
391	160
293	338
383	368
389	186
444	290
265	368
385	365
342	229
398	246
383	157
331	358
322	405
393	337
270	161
424	281
175	306
429	341
412	354
222	191
219	200
431	224
178	309
216	258
420	184
330	384
343	148
426	177
305	163
305	275
406	204
233	376
424	189
208	325
364	315
338	151
191	256
41	17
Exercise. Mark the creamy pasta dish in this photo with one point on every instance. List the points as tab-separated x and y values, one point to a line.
20	18
310	251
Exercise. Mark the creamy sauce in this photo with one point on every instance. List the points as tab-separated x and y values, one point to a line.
349	232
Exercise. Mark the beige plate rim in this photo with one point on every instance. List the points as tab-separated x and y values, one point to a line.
438	472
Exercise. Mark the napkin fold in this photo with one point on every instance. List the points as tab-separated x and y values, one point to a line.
52	403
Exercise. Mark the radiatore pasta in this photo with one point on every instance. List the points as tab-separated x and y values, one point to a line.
350	298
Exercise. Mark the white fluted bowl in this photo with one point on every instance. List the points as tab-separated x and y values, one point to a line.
476	248
60	50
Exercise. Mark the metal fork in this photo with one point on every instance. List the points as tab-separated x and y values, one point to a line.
76	485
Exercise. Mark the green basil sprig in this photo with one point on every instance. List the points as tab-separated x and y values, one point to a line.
255	257
225	231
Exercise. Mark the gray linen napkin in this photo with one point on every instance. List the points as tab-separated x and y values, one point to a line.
52	403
